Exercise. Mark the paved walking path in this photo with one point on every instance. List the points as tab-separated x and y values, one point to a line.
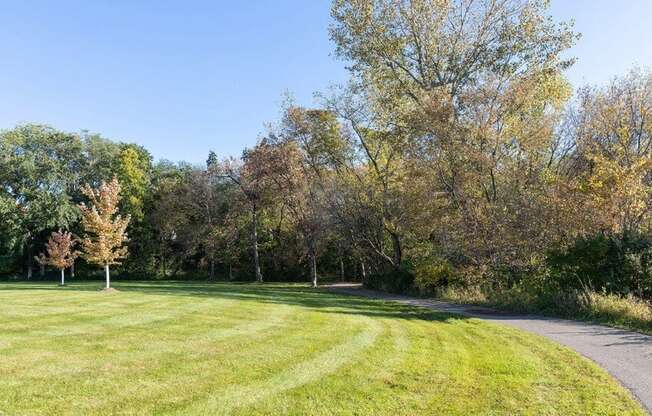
625	354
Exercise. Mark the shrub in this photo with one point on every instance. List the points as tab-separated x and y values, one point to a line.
611	264
431	275
627	311
393	281
623	311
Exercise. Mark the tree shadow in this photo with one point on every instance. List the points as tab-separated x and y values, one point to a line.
303	296
299	295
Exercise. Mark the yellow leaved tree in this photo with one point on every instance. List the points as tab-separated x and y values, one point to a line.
105	232
613	162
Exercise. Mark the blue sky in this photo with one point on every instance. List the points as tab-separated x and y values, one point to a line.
184	77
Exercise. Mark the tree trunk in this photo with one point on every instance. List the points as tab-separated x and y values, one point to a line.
341	269
254	214
398	252
212	277
163	264
41	270
230	271
30	260
63	282
364	272
313	268
72	270
108	277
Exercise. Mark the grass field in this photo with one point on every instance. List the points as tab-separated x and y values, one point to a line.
210	349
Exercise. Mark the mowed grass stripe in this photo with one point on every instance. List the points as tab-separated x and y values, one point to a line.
338	392
216	366
79	306
91	320
305	372
190	348
79	344
260	360
436	373
126	359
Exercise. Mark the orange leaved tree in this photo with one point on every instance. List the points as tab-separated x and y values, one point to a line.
105	232
59	252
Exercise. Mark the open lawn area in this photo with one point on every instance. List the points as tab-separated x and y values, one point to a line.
246	349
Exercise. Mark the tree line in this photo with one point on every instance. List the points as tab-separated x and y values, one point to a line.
456	155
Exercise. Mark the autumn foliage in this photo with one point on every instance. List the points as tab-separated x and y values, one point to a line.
60	250
458	155
105	231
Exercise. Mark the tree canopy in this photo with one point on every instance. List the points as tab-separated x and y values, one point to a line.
456	155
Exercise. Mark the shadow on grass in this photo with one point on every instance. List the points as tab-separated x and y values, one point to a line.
270	293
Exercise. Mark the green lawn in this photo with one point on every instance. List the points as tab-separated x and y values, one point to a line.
209	349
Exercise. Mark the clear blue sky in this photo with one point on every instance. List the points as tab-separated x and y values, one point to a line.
184	77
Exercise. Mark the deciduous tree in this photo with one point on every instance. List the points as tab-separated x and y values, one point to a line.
60	252
105	235
249	176
39	167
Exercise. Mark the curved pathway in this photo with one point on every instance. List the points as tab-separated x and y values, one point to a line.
624	354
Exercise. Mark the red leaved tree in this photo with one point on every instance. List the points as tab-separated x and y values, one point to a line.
59	252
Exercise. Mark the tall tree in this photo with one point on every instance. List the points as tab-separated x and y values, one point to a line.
609	169
133	170
474	87
104	229
249	176
202	201
300	169
167	216
38	168
377	164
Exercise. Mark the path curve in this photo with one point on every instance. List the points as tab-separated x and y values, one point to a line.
626	355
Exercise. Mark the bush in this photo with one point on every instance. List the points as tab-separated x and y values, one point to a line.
612	264
436	273
393	281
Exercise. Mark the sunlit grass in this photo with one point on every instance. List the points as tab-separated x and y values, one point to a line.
190	348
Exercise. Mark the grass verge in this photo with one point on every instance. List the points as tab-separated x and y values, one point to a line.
627	312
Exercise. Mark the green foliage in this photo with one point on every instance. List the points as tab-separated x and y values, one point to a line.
446	162
393	280
100	160
134	165
39	169
212	160
434	273
613	264
10	233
